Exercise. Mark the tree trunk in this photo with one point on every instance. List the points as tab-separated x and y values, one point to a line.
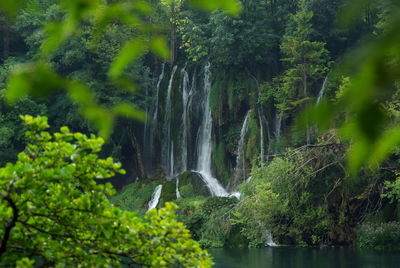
139	159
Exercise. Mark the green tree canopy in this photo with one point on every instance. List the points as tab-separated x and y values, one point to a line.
53	212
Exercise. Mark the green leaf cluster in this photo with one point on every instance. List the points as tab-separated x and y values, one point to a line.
53	212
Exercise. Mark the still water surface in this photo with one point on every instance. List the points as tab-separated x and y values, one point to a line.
282	257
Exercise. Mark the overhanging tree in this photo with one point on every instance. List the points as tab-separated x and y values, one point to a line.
52	212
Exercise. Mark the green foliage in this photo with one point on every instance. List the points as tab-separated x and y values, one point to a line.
191	185
374	69
306	61
219	160
381	236
209	219
134	197
38	78
284	198
52	208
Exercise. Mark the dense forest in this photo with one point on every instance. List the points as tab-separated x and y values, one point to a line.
275	124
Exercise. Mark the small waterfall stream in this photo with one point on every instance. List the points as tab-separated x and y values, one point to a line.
269	241
186	96
262	148
322	91
151	123
155	197
178	194
240	170
204	142
167	146
278	126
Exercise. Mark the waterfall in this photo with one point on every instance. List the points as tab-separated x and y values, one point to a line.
268	240
160	78
240	170
155	197
278	126
322	91
186	95
262	149
171	161
204	142
151	125
167	150
178	194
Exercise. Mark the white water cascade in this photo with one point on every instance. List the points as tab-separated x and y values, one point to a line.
322	91
151	122
240	170
178	194
278	126
167	146
204	141
262	148
160	78
269	241
155	197
186	97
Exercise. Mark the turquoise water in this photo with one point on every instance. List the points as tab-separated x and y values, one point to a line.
303	257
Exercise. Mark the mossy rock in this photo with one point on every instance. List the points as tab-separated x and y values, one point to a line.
168	192
191	184
135	196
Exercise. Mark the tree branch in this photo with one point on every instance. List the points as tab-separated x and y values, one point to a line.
10	225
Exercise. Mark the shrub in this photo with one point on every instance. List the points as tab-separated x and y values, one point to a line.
381	236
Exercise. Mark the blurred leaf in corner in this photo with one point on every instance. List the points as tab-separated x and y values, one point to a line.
36	79
159	46
231	7
375	68
130	52
12	7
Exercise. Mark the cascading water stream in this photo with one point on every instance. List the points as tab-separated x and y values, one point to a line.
152	118
167	150
155	197
278	126
178	194
240	170
204	142
186	95
322	91
269	241
160	78
262	149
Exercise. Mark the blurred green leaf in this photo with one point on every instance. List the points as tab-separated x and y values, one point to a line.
232	7
36	79
57	33
385	146
128	110
131	51
159	46
12	7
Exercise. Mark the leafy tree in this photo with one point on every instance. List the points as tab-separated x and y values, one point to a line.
306	62
52	212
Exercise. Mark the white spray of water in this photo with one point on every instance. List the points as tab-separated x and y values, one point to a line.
155	197
269	241
204	144
186	95
322	91
262	149
178	194
240	170
278	126
167	151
